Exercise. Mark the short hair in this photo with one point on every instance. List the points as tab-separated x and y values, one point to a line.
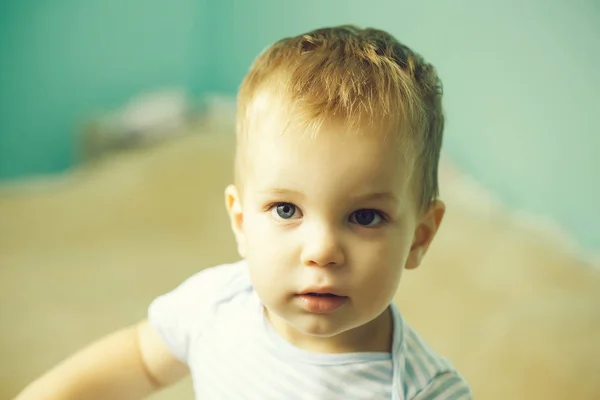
363	76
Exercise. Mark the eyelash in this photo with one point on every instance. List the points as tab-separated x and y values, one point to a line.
382	215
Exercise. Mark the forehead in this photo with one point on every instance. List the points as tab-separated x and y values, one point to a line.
332	160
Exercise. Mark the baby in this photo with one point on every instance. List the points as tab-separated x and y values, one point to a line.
339	133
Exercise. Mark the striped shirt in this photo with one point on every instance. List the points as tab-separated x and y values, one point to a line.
214	322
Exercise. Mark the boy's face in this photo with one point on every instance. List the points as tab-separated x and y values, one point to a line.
327	225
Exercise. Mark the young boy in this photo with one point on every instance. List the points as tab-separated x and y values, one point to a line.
338	139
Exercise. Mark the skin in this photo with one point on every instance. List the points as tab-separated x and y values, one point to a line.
131	363
333	211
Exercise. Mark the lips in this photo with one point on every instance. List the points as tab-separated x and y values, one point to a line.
321	302
321	291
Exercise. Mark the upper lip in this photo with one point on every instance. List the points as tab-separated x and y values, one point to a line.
322	290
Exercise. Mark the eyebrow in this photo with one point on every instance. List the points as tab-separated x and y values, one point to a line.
385	196
281	191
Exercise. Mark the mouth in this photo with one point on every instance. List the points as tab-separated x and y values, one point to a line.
321	292
321	302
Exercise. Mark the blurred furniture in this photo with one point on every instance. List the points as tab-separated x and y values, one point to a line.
515	308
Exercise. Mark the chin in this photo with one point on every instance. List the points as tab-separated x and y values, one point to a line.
318	326
322	332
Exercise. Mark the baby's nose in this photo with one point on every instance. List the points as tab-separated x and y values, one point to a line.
322	247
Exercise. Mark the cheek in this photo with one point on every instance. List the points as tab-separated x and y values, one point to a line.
381	262
268	252
382	267
390	247
261	234
379	281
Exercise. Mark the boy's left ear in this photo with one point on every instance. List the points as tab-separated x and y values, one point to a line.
424	233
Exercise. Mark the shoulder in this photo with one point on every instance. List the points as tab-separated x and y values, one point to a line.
231	277
210	285
424	374
184	314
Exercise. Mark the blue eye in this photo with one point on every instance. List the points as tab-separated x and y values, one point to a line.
366	217
284	210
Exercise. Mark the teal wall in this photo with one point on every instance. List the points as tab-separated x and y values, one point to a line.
522	82
522	78
63	60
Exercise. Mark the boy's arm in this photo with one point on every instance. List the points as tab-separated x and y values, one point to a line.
129	364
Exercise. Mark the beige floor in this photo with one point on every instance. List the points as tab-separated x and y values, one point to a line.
85	254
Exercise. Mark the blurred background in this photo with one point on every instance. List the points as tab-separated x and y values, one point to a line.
116	127
522	82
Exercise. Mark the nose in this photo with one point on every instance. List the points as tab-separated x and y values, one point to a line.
322	247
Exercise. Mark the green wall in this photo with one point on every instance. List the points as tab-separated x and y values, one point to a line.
522	79
63	60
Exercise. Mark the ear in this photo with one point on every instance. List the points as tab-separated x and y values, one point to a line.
236	216
424	233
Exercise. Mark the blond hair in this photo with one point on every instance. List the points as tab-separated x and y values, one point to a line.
363	76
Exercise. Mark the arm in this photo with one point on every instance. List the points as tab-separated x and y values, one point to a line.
446	386
129	364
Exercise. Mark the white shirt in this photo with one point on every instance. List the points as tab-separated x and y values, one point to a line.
214	322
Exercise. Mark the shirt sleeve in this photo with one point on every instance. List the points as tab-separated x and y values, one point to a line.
182	315
446	386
